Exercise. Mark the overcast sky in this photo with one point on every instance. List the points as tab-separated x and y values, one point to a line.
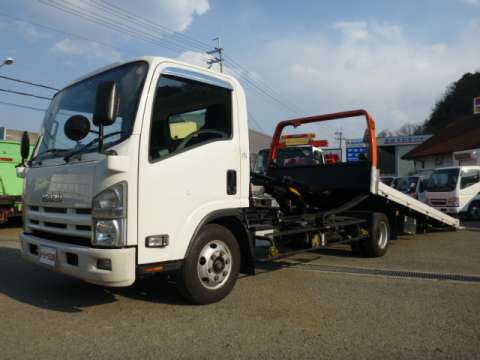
394	58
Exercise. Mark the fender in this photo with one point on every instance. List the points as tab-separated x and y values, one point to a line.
234	220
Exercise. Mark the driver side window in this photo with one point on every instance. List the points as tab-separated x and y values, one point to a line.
188	114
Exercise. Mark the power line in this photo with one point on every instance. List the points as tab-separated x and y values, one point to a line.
243	73
252	118
6	103
25	94
49	28
28	83
118	26
195	43
146	36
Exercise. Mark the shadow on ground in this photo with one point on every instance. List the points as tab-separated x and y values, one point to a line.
34	285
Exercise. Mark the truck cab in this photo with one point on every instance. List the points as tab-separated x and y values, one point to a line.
170	136
455	190
294	150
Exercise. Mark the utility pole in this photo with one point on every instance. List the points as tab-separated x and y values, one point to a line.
216	59
340	138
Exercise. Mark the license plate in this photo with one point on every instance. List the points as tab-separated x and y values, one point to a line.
48	255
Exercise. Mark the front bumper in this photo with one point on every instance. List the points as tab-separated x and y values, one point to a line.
123	261
454	210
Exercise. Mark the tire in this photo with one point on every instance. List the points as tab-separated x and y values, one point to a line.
474	210
377	244
210	270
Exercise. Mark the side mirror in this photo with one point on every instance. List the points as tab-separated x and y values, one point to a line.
77	127
106	104
25	146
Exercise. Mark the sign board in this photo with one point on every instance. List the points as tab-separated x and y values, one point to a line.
476	105
332	154
357	153
302	139
392	140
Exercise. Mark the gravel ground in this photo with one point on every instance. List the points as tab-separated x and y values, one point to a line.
289	313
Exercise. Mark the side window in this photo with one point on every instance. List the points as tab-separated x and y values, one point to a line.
187	114
469	178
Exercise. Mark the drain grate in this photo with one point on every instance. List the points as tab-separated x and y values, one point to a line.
390	273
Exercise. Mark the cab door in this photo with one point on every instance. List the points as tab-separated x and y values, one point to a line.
189	159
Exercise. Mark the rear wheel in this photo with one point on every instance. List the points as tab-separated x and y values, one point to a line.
377	243
474	210
211	268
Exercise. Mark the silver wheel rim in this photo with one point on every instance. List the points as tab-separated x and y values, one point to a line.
382	234
214	264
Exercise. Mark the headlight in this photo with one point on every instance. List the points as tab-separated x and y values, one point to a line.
109	214
112	202
453	201
109	233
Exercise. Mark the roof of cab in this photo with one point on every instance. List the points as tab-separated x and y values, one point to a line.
154	61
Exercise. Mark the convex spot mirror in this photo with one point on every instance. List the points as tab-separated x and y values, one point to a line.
106	104
77	127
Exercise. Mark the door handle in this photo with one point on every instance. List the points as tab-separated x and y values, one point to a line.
231	182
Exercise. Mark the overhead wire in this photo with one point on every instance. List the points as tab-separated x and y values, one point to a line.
132	32
24	94
6	103
28	83
194	42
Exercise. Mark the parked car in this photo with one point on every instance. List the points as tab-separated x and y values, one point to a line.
412	185
387	180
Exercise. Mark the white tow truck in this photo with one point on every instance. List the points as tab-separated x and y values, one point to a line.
143	168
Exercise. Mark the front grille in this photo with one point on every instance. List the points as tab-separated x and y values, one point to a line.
55	225
55	210
75	240
438	202
62	224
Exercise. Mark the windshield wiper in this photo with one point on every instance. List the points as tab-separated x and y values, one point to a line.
52	150
94	141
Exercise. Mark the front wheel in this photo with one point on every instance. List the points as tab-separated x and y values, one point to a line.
474	210
376	244
211	267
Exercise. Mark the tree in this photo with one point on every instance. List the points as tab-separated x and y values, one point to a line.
455	103
409	129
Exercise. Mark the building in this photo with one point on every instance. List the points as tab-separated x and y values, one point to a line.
391	150
16	135
456	144
258	141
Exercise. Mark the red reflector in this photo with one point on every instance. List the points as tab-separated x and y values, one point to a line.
6	159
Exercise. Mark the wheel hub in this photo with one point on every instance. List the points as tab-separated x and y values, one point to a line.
218	265
214	264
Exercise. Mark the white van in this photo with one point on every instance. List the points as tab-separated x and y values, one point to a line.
456	190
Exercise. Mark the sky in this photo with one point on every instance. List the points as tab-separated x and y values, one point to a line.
294	58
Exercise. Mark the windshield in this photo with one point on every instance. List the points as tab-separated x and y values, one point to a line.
401	184
261	162
79	99
295	156
443	180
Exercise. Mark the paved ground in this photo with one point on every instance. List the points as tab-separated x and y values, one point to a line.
295	312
